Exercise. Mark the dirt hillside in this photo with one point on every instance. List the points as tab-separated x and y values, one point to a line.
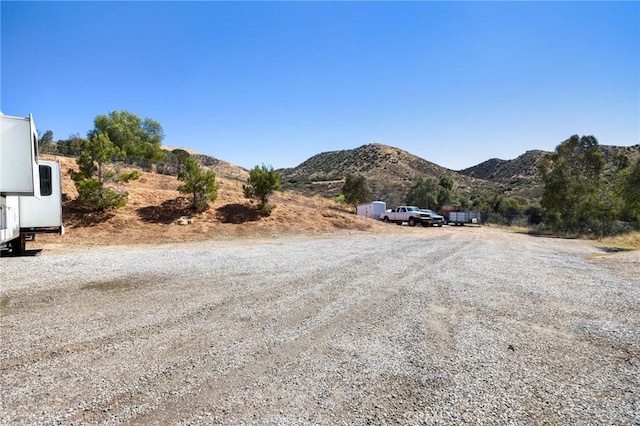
389	172
156	209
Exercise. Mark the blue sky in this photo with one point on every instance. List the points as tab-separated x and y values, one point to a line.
455	83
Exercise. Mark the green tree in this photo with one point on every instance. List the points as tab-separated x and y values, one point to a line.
620	162
628	188
572	197
180	157
71	147
534	214
480	202
198	183
510	208
139	139
355	189
96	170
446	193
423	193
45	142
263	181
173	162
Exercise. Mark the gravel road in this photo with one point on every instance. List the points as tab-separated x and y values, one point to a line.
422	326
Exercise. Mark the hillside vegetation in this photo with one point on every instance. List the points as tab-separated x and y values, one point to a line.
157	213
520	176
389	172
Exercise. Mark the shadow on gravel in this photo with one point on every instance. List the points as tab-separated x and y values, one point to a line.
614	249
109	285
166	213
550	235
237	213
26	253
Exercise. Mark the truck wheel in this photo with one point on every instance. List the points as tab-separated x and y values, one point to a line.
412	222
386	219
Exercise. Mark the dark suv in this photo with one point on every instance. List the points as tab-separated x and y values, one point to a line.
436	219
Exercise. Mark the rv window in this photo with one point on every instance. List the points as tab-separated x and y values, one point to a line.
46	186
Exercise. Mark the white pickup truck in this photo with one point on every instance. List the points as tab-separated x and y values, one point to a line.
410	214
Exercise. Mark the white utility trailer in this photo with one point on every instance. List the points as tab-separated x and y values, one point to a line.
30	190
460	218
372	210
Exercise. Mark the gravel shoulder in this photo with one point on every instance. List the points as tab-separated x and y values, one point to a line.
452	325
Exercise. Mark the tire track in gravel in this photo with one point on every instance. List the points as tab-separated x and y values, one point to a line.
277	338
202	315
301	331
316	328
27	303
225	310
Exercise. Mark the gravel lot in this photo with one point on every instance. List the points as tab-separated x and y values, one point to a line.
448	326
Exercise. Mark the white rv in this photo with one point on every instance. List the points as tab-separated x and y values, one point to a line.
30	190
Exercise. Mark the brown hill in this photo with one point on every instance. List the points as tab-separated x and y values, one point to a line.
222	168
517	177
524	166
155	208
389	172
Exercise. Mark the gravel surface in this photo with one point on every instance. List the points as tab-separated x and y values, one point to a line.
447	326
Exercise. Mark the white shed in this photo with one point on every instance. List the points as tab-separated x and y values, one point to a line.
372	210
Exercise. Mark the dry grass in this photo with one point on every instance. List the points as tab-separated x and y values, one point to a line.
629	241
624	242
155	206
514	229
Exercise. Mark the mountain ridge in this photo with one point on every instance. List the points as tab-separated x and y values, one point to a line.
390	171
520	176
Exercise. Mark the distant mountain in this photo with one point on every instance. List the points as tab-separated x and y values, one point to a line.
389	172
520	176
495	169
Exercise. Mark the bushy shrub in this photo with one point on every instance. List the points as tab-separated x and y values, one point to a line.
199	184
262	182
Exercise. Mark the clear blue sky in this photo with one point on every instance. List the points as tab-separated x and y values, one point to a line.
455	83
